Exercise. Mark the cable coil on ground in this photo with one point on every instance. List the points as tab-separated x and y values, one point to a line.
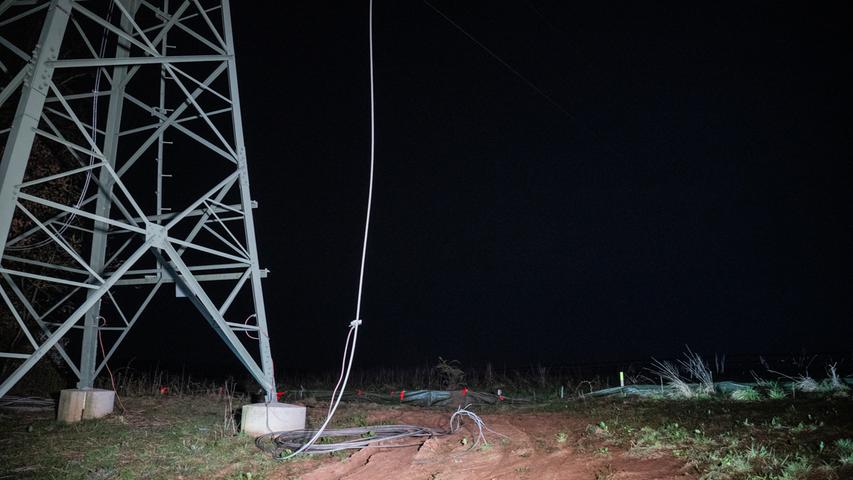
282	445
26	403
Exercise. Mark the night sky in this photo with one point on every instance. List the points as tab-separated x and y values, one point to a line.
686	183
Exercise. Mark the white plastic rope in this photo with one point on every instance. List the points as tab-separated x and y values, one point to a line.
370	182
349	348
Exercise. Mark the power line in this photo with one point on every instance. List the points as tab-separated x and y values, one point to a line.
524	79
504	63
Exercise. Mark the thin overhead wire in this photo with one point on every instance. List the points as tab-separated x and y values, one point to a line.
543	17
504	63
528	82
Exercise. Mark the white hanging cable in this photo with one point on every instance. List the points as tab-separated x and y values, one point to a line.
343	369
370	183
349	348
96	95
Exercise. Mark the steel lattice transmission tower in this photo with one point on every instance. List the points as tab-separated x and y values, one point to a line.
155	156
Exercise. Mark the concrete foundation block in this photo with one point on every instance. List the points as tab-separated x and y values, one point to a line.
84	404
71	405
260	418
99	403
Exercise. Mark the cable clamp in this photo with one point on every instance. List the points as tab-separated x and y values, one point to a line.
355	323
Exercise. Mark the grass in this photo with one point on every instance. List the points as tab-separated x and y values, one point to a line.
697	369
677	374
805	383
775	391
669	372
746	394
765	432
844	448
725	439
191	437
167	437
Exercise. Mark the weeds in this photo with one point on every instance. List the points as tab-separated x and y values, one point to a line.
158	438
229	424
844	446
693	367
776	392
698	370
833	382
668	372
181	436
449	373
746	394
805	383
776	451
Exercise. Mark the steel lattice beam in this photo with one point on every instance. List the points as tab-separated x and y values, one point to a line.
206	235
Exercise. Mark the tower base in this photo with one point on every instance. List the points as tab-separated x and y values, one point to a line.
260	418
84	404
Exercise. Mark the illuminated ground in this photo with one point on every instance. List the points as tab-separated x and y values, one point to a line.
189	437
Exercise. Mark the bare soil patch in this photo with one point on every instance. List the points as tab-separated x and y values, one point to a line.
539	445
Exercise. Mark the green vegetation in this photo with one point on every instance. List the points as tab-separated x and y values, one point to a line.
775	391
728	439
746	394
159	437
845	450
717	438
766	430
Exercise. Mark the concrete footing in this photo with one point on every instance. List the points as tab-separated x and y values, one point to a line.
260	418
84	404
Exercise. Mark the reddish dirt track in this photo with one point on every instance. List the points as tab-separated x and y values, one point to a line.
532	452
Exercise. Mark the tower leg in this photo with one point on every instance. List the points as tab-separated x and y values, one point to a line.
98	255
246	200
35	90
19	144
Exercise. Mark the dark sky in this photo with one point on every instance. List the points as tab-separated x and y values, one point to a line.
695	189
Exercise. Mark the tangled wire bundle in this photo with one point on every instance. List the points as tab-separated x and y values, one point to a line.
26	403
281	445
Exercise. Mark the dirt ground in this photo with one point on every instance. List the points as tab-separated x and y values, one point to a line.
540	445
194	437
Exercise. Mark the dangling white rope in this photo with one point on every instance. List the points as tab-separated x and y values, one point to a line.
349	348
370	182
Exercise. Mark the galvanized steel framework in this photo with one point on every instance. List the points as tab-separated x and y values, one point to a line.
204	244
